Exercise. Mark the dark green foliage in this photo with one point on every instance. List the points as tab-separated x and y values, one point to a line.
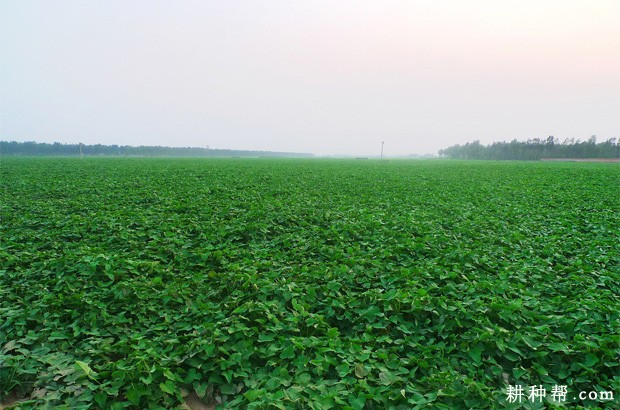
305	283
31	148
535	149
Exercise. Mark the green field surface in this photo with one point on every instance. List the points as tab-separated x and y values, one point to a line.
310	283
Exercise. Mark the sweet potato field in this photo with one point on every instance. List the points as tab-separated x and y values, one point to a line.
259	283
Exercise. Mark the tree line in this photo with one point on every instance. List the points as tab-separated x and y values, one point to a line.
535	149
31	148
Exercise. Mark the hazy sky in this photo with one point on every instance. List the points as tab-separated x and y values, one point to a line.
329	77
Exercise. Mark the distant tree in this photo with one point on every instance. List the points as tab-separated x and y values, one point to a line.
534	149
31	148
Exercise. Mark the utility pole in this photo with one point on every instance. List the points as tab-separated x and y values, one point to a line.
81	153
382	142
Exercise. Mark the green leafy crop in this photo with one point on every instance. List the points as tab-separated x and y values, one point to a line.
255	283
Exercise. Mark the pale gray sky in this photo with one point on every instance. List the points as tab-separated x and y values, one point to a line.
329	77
